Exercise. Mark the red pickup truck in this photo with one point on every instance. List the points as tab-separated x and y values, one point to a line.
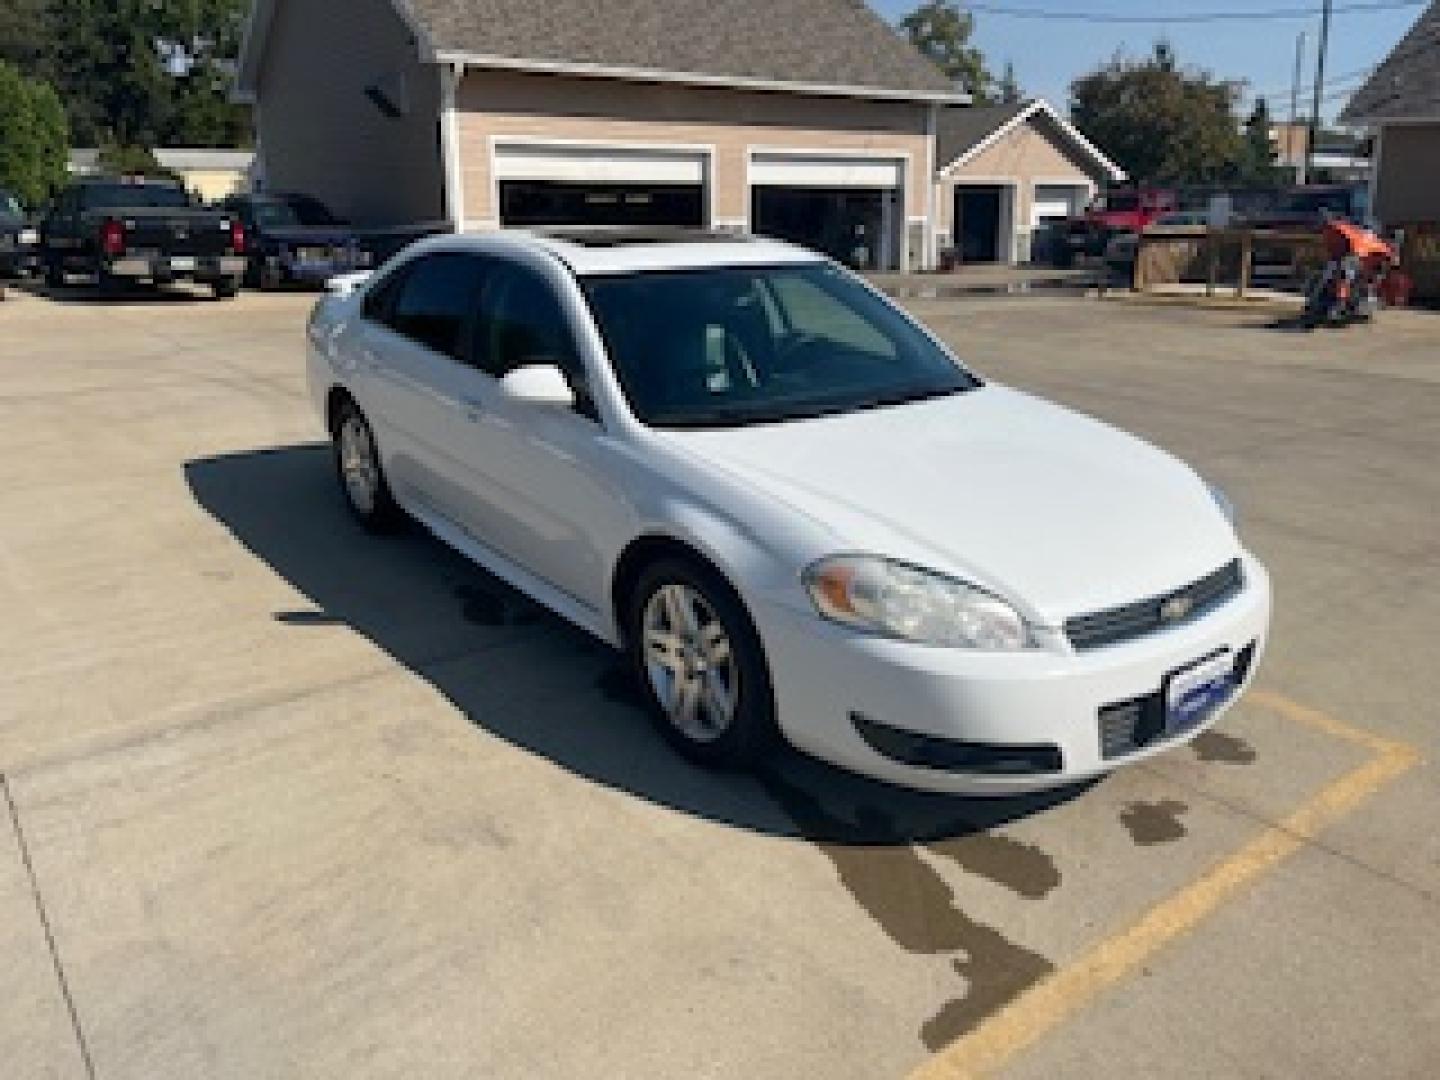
1127	210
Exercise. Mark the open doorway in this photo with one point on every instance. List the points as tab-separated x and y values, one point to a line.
979	223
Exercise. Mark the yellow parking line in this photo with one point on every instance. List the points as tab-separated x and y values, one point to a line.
1049	1003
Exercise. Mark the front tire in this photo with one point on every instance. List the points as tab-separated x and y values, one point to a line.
361	475
700	666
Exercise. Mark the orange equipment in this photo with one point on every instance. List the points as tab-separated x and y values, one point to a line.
1342	239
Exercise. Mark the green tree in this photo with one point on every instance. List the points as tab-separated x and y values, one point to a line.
1160	122
941	30
33	143
135	72
24	40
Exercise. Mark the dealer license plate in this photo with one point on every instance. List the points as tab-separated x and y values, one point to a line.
1194	692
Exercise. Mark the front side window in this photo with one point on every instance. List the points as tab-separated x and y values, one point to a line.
297	212
522	323
435	301
742	345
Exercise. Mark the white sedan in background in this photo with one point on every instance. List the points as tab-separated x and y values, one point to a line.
797	512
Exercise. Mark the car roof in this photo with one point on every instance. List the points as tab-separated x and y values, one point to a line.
597	252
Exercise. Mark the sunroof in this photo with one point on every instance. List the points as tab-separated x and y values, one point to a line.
600	237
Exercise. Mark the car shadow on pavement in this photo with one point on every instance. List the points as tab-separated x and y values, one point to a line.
529	677
140	295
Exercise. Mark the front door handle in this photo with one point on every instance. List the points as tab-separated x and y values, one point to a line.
473	408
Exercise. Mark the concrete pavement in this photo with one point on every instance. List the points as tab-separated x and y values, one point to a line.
301	802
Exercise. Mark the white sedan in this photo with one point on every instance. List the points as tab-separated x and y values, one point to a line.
795	510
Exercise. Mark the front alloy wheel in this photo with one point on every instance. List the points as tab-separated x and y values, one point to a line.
700	664
689	663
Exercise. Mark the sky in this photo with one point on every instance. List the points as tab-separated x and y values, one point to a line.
1048	54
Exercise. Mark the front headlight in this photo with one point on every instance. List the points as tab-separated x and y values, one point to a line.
900	601
1226	506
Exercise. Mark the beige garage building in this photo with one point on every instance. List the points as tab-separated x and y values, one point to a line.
1006	171
807	119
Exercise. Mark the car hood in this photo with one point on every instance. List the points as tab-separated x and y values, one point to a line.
1059	513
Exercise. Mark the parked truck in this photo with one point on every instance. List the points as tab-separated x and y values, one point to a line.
1126	210
120	231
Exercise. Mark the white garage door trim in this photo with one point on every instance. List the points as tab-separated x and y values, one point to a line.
593	164
1048	201
594	161
827	169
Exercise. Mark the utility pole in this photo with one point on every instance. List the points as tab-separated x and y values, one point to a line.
1319	87
1294	128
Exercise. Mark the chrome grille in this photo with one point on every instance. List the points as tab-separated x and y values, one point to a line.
1147	616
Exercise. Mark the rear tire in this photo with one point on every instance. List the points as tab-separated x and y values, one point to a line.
54	274
360	472
226	288
700	666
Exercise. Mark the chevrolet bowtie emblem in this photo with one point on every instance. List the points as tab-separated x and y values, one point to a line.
1176	608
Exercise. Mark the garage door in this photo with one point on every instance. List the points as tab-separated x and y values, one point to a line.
848	207
1057	202
579	185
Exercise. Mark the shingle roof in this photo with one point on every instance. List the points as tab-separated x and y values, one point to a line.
959	130
812	43
1407	85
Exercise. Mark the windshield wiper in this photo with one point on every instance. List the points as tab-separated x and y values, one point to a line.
889	401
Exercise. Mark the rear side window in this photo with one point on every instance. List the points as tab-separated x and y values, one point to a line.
435	301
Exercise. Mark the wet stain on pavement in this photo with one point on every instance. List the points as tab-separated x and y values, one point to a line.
903	892
997	971
1154	823
1217	746
1021	867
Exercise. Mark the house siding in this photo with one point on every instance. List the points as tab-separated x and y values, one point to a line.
1407	190
1026	156
320	133
728	124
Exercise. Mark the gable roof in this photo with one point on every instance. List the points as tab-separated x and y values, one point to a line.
828	47
963	134
1407	85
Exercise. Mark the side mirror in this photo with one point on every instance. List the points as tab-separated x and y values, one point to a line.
538	383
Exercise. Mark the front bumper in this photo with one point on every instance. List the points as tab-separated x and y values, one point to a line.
828	679
159	267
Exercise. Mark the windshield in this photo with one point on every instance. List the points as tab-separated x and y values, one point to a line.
137	195
299	212
1314	202
1118	203
759	344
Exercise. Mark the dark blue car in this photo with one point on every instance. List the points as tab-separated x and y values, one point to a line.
295	239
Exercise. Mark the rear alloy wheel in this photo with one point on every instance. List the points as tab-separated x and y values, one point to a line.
699	661
362	477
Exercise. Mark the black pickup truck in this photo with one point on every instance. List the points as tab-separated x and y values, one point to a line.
119	231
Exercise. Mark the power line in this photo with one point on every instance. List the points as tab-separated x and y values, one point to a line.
1191	18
